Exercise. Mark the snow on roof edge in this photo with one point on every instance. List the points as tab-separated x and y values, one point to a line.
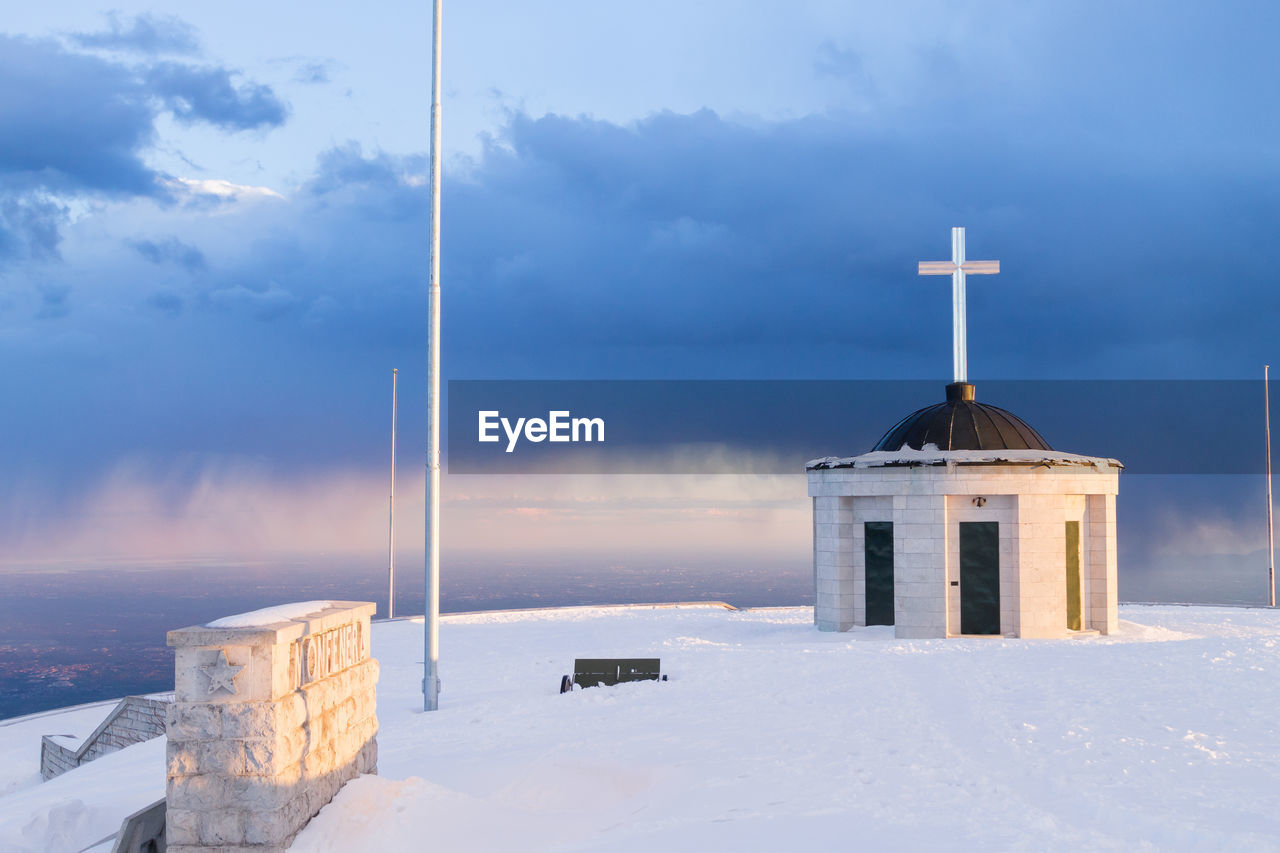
931	455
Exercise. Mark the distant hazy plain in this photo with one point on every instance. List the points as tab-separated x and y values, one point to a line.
78	633
73	633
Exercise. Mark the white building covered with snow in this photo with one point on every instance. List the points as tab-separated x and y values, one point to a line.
963	521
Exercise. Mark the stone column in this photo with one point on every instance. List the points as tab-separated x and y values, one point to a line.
1042	565
833	546
920	564
269	722
1101	609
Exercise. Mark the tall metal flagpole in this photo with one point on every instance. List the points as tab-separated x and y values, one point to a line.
431	640
391	513
1271	527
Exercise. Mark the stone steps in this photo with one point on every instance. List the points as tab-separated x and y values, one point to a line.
133	720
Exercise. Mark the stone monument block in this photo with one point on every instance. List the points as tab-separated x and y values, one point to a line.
274	711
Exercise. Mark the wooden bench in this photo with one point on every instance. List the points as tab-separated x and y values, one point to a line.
593	672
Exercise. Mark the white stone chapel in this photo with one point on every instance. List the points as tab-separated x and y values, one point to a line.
962	520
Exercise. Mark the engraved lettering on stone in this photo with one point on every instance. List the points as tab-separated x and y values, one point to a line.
221	674
331	651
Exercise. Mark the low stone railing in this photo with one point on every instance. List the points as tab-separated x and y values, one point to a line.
133	720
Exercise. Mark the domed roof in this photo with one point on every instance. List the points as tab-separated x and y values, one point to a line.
962	424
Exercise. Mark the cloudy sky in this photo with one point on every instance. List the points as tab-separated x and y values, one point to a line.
212	234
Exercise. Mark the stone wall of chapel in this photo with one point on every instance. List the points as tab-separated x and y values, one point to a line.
1030	502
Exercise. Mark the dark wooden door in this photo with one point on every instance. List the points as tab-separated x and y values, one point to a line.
979	577
878	536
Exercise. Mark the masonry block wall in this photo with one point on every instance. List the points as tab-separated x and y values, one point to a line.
133	720
919	564
833	563
57	757
1042	595
268	723
1101	563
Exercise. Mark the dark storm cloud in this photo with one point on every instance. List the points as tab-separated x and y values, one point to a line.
145	34
345	167
1127	185
78	125
692	246
166	302
29	227
693	235
170	250
211	94
72	123
262	303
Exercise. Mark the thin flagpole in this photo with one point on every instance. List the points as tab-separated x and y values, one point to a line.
391	514
431	640
1271	527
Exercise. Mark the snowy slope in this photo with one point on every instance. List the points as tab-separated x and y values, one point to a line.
770	733
71	811
20	740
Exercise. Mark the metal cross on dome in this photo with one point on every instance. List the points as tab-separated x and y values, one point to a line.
958	268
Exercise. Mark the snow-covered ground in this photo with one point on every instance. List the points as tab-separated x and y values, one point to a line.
770	735
71	811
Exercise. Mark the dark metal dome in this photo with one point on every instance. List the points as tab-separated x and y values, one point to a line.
962	424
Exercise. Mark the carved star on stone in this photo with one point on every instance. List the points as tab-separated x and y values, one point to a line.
221	674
